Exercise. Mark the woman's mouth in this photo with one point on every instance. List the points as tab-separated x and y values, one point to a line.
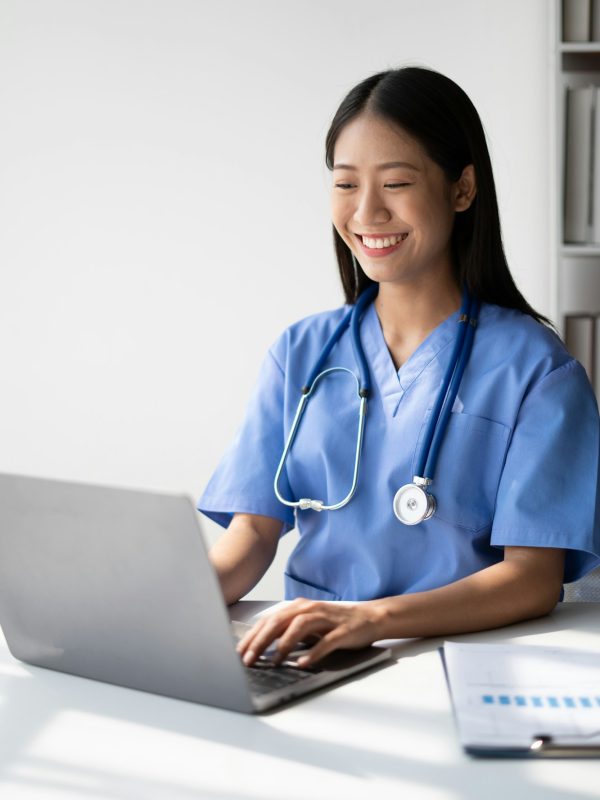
379	246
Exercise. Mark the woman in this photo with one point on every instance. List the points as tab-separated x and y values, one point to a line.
415	216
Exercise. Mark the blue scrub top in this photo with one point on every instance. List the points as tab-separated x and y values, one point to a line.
518	464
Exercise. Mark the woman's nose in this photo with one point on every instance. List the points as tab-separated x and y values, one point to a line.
371	209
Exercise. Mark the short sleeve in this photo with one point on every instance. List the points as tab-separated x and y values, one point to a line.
548	492
243	480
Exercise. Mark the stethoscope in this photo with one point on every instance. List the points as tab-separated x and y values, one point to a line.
412	503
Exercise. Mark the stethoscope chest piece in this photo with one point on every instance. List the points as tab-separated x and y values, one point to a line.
412	504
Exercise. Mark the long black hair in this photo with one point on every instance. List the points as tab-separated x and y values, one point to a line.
441	117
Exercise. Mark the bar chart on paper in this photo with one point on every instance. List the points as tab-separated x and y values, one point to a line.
540	701
505	696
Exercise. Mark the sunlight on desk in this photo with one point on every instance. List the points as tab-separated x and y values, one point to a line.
13	669
583	640
88	754
579	783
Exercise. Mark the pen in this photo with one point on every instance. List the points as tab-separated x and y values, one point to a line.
543	744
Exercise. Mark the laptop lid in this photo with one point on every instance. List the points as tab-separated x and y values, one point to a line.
115	585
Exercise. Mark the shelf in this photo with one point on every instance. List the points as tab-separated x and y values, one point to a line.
579	47
575	265
580	60
580	250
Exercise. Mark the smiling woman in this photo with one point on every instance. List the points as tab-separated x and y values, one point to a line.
475	400
396	217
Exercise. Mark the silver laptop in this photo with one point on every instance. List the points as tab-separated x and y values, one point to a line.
116	585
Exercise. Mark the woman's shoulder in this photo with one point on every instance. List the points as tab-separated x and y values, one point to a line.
308	334
521	359
511	335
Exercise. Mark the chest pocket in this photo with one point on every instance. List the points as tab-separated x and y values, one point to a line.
468	470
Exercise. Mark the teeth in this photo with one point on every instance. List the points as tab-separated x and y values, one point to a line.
378	244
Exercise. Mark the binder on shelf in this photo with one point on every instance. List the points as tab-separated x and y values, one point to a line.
595	190
596	381
524	701
578	163
595	20
577	19
580	339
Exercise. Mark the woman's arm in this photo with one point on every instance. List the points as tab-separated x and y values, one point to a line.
525	585
244	553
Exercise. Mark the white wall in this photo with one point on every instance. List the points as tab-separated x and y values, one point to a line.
164	205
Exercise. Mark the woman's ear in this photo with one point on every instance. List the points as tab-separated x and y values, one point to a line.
465	189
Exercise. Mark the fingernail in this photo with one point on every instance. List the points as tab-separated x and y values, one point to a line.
303	661
248	657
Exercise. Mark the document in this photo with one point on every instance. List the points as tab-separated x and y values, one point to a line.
508	697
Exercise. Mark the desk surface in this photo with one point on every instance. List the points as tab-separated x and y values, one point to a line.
390	731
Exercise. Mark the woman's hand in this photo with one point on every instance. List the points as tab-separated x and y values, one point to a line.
334	625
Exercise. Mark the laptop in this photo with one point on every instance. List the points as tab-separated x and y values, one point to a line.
116	585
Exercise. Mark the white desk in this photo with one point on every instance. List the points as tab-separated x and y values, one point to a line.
389	732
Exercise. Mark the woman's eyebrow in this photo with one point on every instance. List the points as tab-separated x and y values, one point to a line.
387	165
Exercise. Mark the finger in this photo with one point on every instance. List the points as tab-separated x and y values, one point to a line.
262	637
296	635
266	630
310	621
244	641
334	640
303	628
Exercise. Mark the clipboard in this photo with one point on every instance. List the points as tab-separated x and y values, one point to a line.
542	746
524	701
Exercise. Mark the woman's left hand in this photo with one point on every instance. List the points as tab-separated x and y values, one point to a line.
334	625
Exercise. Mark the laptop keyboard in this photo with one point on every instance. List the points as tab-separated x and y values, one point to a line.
264	677
268	679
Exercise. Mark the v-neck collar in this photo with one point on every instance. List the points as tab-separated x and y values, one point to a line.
393	383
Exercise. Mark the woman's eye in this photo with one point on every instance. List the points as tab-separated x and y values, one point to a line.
386	185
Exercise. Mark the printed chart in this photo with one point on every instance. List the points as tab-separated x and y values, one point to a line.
506	696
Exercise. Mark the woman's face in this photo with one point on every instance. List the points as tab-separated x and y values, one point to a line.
391	204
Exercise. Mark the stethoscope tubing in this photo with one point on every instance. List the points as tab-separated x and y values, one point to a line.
441	427
359	354
306	388
428	453
304	502
352	319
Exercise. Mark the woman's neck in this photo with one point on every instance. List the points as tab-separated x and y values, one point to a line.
408	313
